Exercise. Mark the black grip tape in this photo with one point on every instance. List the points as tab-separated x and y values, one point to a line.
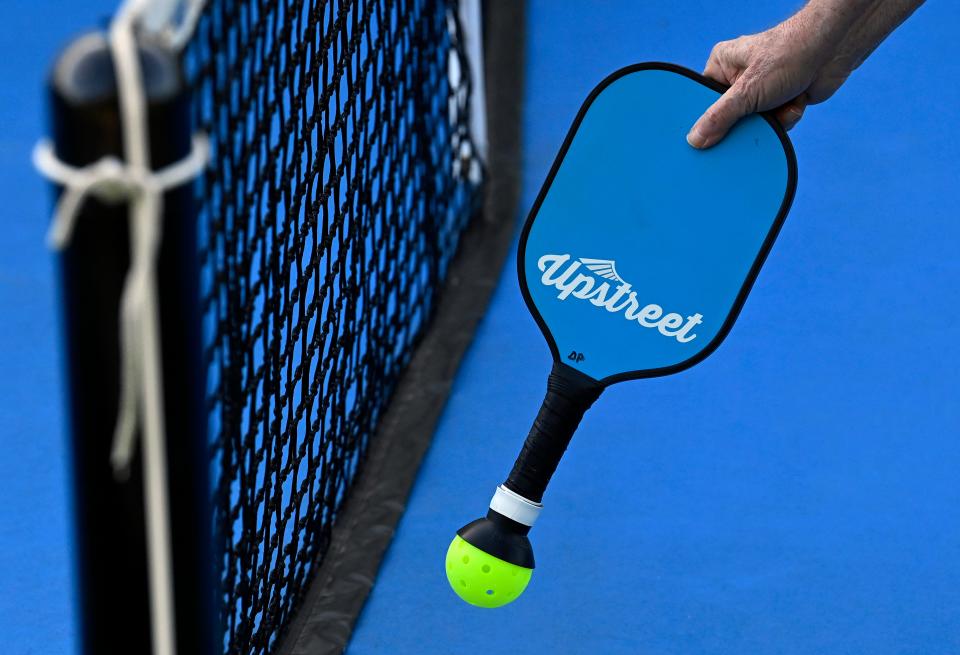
570	394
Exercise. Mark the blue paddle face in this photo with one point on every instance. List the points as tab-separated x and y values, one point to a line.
640	250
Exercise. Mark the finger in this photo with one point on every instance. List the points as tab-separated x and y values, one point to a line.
714	71
791	113
720	117
713	68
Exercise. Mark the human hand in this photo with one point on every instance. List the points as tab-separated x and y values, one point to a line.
784	69
800	62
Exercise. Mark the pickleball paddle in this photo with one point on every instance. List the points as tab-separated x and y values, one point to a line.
635	261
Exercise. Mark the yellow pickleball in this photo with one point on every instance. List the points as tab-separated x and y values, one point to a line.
482	579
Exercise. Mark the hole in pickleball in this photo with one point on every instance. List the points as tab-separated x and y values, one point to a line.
463	583
489	592
485	568
466	559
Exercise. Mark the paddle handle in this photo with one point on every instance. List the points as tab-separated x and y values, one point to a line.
570	394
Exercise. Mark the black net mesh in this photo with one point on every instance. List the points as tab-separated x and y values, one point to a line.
341	181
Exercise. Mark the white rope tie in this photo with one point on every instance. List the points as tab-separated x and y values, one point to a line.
113	180
110	181
178	35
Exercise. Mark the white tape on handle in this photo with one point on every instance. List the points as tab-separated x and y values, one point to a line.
514	506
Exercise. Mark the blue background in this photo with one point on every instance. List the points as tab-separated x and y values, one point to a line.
796	493
683	225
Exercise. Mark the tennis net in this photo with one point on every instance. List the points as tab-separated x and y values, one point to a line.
344	173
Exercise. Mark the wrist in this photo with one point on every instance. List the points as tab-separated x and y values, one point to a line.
821	26
873	25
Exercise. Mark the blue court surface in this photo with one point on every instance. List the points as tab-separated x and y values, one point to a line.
796	493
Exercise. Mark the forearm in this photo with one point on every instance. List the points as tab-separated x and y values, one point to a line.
825	24
875	24
849	30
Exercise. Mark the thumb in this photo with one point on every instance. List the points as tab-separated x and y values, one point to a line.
720	117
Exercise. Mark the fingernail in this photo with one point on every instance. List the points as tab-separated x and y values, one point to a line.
696	139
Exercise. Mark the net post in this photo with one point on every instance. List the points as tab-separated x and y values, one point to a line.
110	534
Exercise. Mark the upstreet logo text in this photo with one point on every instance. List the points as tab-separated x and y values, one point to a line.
570	282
